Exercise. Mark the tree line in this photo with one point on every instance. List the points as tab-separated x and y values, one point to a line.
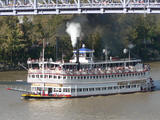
22	37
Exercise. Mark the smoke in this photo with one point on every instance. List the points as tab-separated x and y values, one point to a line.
20	18
74	30
130	46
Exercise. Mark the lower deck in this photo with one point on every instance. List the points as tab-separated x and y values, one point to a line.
75	90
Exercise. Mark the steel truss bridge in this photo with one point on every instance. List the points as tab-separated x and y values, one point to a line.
45	7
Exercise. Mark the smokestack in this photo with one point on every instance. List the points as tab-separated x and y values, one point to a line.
77	53
57	38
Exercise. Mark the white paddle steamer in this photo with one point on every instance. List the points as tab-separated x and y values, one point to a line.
50	79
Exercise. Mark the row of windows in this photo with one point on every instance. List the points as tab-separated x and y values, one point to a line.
88	89
88	77
60	90
52	89
104	88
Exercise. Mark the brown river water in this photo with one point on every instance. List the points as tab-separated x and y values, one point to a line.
135	106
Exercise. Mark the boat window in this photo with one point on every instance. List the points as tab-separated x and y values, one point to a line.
55	77
84	77
64	77
97	77
78	77
71	77
90	77
55	90
91	89
37	76
79	89
33	76
87	77
59	77
50	76
66	89
98	89
75	77
94	77
45	76
39	89
72	89
85	89
128	86
60	90
109	88
41	76
103	88
115	87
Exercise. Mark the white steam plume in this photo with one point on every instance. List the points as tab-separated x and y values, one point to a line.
74	30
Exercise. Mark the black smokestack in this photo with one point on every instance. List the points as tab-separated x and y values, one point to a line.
77	53
57	39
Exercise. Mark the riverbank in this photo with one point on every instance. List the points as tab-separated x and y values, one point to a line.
10	67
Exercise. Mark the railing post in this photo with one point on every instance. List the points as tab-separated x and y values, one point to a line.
7	2
57	9
79	3
79	6
35	6
124	6
14	7
49	1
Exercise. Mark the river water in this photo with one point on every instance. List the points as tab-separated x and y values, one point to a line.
136	106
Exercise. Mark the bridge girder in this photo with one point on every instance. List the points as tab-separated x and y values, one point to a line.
34	7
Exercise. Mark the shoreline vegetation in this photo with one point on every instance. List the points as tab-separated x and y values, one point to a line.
10	67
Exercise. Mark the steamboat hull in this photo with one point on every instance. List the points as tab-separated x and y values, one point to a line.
32	96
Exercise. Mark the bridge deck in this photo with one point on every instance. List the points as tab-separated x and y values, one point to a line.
35	7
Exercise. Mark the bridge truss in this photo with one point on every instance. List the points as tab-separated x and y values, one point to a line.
42	7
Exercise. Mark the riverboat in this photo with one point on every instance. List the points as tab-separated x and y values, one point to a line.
82	76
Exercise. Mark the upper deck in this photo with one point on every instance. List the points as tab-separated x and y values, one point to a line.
47	71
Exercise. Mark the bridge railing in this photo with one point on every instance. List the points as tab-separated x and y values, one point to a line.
20	7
